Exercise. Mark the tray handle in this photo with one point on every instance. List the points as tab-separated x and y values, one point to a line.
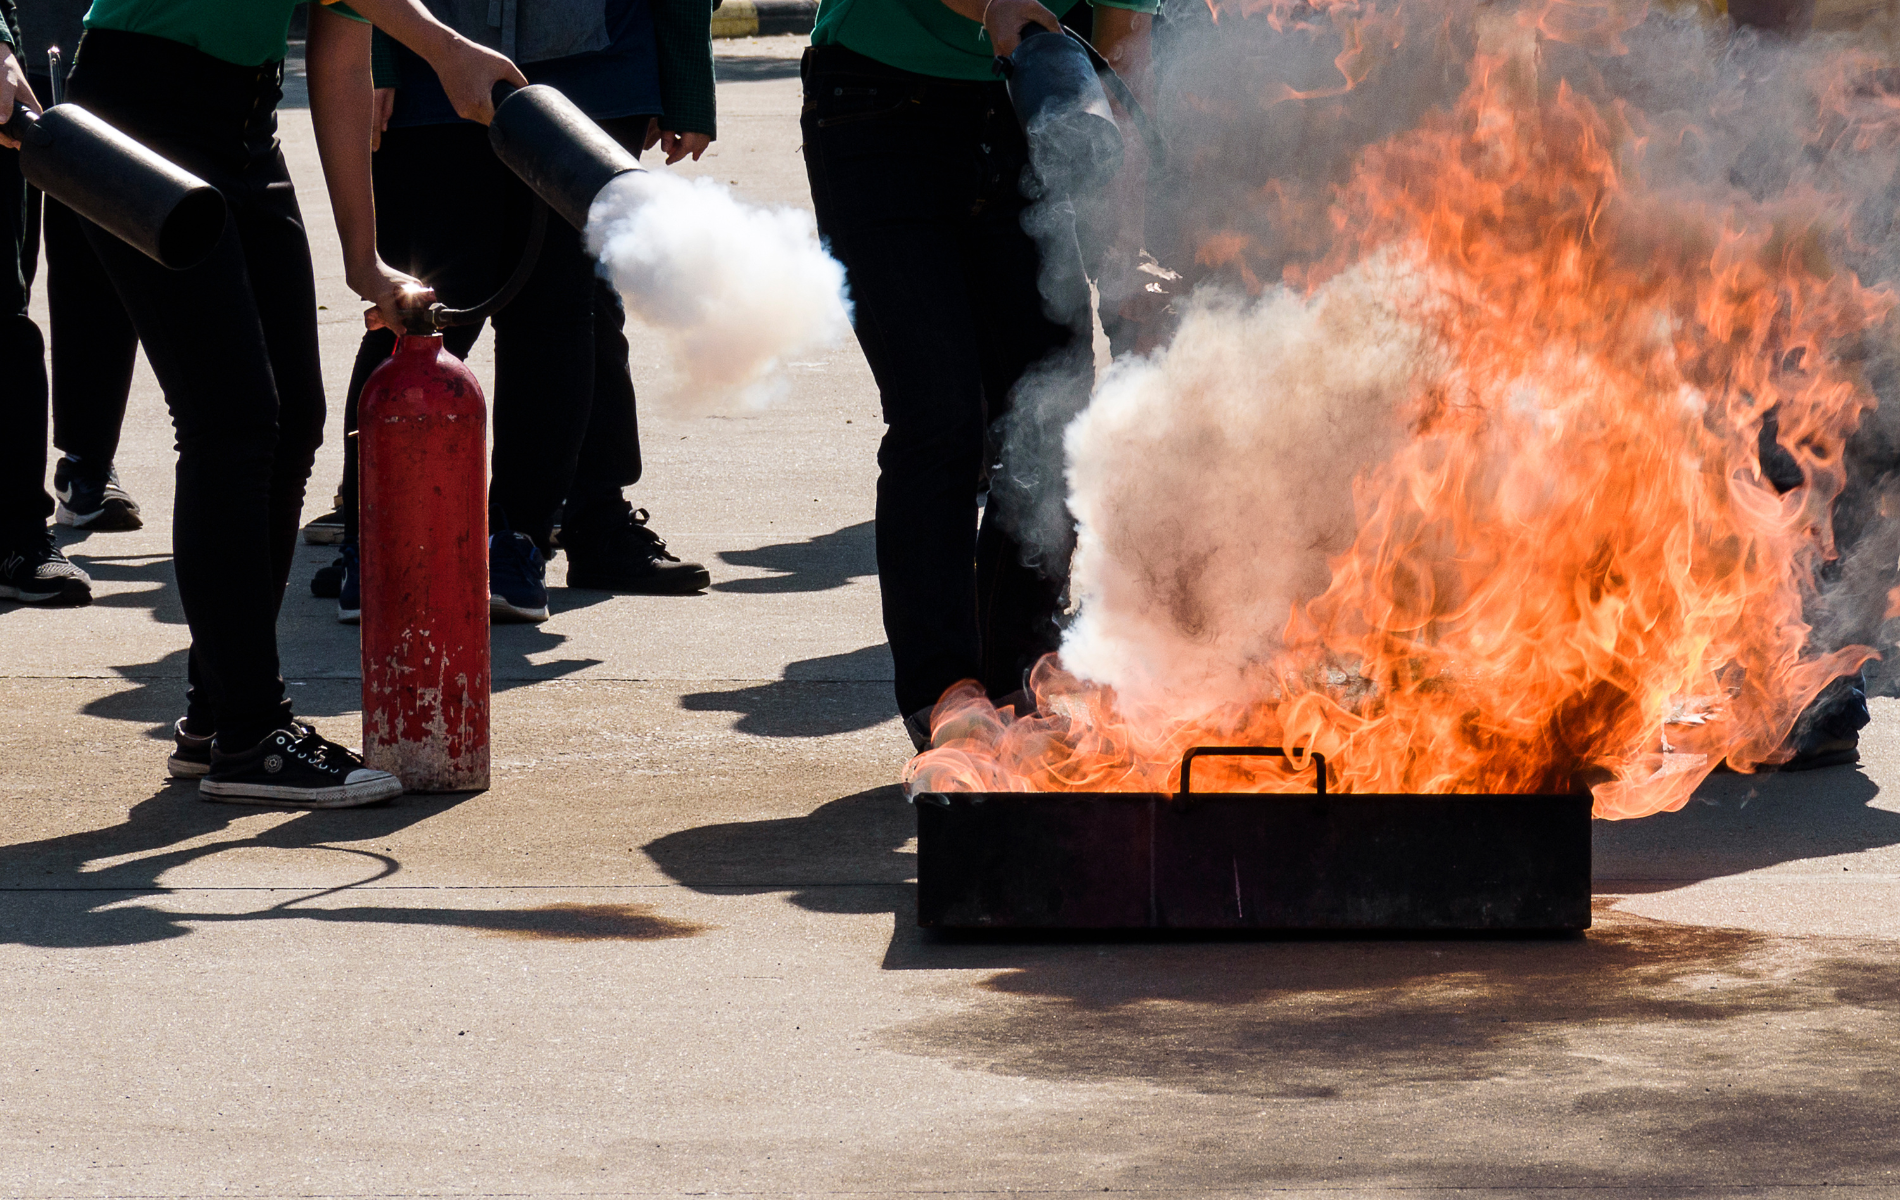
1187	762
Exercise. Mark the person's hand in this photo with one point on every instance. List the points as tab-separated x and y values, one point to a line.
393	293
469	74
1004	19
13	88
380	109
682	145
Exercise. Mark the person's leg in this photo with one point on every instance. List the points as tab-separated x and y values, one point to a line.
32	570
608	543
224	411
24	504
609	456
94	348
894	188
544	375
1037	375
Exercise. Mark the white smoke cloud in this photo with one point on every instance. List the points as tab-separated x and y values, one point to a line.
1210	482
738	289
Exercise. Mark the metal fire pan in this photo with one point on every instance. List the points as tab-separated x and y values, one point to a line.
1139	860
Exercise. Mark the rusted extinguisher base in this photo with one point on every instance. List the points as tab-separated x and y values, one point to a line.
422	433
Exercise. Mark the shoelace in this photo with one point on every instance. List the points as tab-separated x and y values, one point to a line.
637	528
302	748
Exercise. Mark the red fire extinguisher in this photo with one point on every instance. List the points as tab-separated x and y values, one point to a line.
422	442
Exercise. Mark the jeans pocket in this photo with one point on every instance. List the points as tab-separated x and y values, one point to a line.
837	103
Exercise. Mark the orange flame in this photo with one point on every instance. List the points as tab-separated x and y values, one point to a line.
1572	572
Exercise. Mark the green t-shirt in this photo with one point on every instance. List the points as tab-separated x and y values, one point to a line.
249	33
923	35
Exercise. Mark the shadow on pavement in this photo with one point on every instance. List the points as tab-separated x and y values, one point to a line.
808	702
753	70
817	564
847	856
1739	823
56	895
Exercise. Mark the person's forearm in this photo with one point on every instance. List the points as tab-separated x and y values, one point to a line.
341	98
468	72
1123	38
411	24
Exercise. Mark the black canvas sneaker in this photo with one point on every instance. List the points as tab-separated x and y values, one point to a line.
295	767
92	499
191	755
37	573
616	552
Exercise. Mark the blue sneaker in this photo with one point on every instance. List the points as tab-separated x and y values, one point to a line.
349	593
517	579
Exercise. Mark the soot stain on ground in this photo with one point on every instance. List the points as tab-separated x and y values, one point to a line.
1775	1055
591	923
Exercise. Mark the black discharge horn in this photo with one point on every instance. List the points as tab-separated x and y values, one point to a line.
145	200
1055	86
555	148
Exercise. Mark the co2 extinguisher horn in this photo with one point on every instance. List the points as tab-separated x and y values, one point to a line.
140	197
563	157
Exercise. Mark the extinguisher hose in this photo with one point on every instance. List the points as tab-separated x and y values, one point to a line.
438	317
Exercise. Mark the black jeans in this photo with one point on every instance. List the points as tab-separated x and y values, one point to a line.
24	504
917	183
450	213
233	342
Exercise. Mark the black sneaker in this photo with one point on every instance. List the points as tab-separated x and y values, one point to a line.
517	579
37	573
1828	733
92	499
191	755
326	530
349	589
295	767
620	554
327	583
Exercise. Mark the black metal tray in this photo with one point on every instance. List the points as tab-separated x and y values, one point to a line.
1141	860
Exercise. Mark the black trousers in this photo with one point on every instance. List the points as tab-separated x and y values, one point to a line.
233	342
24	504
93	344
917	183
566	431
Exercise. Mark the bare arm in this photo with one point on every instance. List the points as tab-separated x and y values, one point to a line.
341	104
468	72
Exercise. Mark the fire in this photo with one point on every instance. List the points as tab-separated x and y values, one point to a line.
1564	567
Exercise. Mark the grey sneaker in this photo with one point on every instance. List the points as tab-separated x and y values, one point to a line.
37	573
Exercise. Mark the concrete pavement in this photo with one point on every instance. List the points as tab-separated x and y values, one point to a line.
671	951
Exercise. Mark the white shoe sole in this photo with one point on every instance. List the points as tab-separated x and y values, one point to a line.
185	768
9	592
500	610
78	520
264	795
323	535
348	616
